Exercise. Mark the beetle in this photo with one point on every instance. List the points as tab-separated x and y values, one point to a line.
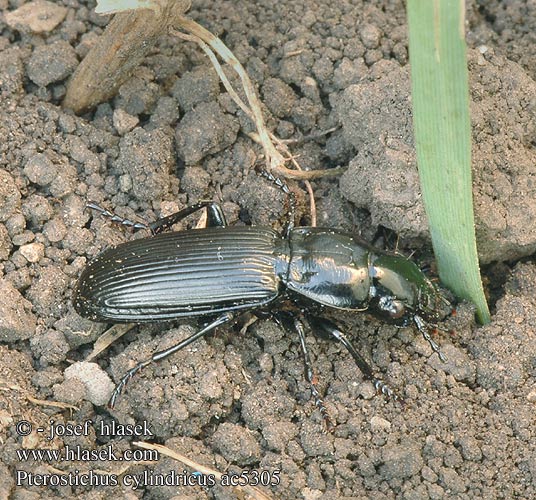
220	271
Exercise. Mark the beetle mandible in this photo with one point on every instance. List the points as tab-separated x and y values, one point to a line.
220	271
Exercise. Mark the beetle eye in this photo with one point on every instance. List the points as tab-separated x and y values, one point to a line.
393	307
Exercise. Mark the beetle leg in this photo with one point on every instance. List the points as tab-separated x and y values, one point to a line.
291	214
116	218
220	320
215	216
328	329
311	377
421	326
291	323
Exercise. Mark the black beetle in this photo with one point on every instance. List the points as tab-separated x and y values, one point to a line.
219	271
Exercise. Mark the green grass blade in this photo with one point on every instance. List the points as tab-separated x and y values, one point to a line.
440	95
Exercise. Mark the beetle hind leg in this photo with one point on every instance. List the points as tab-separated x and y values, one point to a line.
125	380
220	320
328	330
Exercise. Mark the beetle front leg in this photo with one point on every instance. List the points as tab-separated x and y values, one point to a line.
220	320
422	327
328	330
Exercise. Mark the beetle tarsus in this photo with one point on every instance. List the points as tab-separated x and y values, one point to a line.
220	320
311	377
291	213
383	388
290	323
215	217
328	330
125	380
422	327
116	218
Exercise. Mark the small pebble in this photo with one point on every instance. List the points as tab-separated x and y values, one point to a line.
370	36
55	230
366	390
98	384
33	252
40	170
237	443
379	424
51	63
5	243
38	16
12	82
124	122
9	196
401	461
17	322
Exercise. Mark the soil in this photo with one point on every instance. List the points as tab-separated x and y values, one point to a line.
238	400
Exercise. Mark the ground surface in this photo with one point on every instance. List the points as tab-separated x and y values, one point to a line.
238	401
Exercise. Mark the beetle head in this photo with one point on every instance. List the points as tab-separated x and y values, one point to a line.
401	291
405	295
